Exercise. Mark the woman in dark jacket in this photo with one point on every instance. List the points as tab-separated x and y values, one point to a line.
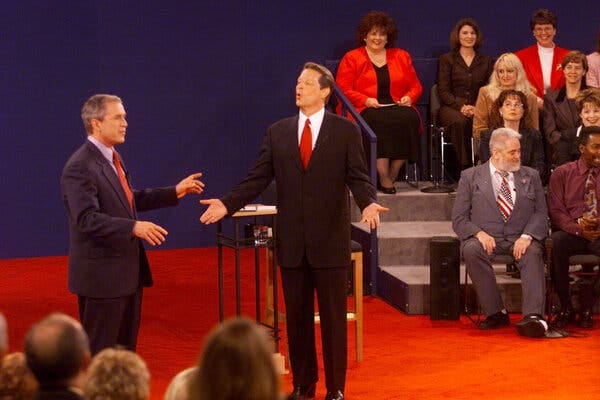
508	111
461	73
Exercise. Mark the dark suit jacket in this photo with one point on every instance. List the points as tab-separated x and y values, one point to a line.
313	205
532	149
105	259
475	206
567	147
559	114
533	68
56	393
459	84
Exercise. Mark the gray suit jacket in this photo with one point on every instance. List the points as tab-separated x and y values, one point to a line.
475	206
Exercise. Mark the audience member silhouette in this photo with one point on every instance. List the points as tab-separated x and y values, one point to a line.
236	364
58	353
117	374
178	389
16	380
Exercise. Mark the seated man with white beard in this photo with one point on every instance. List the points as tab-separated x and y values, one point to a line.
500	208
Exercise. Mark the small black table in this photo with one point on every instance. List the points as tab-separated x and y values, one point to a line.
240	241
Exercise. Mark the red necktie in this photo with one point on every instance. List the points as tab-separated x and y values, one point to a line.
122	179
306	144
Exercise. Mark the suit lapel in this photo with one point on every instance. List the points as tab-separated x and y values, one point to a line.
484	181
292	146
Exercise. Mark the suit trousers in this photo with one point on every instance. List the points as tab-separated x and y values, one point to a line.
111	322
299	285
564	245
531	266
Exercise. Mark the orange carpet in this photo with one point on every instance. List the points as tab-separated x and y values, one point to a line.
405	357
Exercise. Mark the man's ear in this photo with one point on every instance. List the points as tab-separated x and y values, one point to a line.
95	123
328	89
87	359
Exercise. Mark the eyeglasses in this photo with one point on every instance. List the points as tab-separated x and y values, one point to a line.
512	105
546	29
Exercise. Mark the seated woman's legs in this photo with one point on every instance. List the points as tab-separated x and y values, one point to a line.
388	171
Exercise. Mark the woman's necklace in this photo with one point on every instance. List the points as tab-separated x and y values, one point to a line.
377	59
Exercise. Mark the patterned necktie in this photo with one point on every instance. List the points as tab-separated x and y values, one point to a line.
122	179
306	144
589	196
504	200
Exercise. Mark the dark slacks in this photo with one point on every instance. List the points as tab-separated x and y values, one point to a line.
111	322
459	130
299	285
564	245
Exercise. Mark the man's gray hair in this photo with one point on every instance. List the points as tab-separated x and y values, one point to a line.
500	136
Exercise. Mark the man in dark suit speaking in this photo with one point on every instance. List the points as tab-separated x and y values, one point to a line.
314	158
107	261
500	208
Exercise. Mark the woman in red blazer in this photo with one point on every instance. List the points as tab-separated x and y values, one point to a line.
542	60
383	86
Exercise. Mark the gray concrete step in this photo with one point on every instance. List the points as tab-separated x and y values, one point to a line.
407	287
408	242
410	204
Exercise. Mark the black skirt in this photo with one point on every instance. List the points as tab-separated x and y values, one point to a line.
397	131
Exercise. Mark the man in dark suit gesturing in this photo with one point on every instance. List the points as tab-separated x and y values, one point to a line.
314	158
500	208
107	261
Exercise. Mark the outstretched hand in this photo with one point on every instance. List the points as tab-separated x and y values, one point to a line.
150	232
215	211
191	184
370	215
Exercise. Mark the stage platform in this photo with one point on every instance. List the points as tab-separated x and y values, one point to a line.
403	272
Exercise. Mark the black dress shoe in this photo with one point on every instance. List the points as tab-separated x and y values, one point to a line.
337	395
564	318
495	321
303	392
532	325
586	320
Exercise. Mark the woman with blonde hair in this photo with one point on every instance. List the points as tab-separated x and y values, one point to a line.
117	374
508	74
16	379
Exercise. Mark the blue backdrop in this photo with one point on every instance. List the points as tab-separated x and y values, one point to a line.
201	81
